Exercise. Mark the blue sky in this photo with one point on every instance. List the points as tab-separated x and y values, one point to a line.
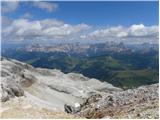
97	13
80	21
109	13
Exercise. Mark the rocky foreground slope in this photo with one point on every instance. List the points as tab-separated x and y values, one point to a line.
137	103
28	92
50	89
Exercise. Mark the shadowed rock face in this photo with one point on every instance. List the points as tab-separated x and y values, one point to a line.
46	87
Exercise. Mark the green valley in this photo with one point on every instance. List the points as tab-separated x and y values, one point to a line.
125	70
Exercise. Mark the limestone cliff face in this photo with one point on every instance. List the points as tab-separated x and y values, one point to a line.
25	88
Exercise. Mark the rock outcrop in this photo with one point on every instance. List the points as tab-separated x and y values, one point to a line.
133	103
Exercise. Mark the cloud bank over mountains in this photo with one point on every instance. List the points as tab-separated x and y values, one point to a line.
22	29
25	28
51	29
133	31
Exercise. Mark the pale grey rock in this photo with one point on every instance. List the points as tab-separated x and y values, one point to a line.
48	87
75	93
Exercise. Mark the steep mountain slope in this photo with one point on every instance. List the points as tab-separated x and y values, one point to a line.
51	89
29	92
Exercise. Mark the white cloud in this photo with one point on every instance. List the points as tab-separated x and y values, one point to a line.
143	31
136	32
83	36
5	21
48	6
9	6
27	15
52	29
22	29
118	31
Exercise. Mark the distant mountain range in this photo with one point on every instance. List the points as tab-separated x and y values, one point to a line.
78	48
87	49
125	66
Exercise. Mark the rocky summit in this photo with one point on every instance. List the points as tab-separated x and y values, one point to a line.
48	93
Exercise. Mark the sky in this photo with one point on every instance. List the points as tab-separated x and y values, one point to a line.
132	22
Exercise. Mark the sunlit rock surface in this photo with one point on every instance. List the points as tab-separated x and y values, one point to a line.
28	92
50	89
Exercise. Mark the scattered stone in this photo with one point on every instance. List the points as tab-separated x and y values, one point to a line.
124	104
